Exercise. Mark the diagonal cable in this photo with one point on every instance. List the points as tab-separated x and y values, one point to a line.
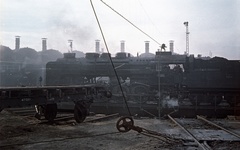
131	23
119	83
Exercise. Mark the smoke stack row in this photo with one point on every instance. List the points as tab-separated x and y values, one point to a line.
97	45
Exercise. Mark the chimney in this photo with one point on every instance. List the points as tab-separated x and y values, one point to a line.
122	46
97	46
146	46
70	45
171	46
44	44
17	42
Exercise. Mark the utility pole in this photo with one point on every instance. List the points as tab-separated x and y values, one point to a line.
187	38
159	88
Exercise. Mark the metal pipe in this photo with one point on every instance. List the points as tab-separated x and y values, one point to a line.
189	133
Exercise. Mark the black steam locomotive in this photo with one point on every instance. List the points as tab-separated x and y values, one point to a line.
145	79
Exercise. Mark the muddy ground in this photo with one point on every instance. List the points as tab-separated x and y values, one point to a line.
17	132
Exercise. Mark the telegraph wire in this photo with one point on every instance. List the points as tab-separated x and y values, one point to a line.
149	18
119	83
131	23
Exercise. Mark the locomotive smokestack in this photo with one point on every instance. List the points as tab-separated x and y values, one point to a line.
70	45
97	46
17	42
44	44
122	46
171	46
146	46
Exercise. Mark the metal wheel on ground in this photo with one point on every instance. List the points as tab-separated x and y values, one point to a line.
124	124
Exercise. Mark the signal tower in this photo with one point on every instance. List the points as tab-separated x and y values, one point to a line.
187	38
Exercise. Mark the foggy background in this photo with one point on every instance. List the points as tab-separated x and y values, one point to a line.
213	25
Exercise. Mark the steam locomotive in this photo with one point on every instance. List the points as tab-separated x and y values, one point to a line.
145	79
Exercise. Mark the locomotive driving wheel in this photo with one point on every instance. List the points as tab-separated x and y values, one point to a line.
232	99
50	112
139	93
216	100
195	99
80	113
117	93
124	124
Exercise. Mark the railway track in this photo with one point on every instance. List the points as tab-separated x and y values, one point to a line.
185	110
61	119
201	132
23	111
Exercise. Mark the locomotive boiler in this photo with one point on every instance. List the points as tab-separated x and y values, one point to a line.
145	79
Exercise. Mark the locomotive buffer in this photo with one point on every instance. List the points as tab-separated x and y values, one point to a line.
46	98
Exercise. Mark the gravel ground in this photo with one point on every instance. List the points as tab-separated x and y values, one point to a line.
23	133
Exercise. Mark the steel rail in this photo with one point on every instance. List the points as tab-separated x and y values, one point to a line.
69	117
107	117
68	138
189	133
214	124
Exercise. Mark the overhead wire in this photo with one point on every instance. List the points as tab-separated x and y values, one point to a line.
131	23
149	18
119	83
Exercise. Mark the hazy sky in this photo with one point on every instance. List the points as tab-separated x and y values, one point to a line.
214	25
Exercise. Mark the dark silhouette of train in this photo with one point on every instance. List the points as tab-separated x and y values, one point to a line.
24	66
148	79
